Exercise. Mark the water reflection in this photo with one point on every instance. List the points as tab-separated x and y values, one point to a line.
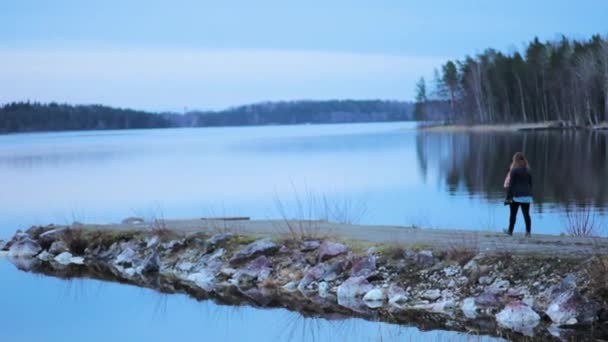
85	309
570	168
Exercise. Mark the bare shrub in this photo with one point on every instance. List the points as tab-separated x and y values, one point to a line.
158	224
582	222
463	249
310	211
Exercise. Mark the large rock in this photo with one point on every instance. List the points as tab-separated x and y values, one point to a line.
125	257
58	247
431	294
570	308
374	298
204	278
499	286
254	249
257	270
24	248
397	296
219	238
328	271
519	317
354	287
329	249
67	258
422	259
309	245
363	266
150	264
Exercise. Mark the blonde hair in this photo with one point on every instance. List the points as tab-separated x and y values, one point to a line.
519	161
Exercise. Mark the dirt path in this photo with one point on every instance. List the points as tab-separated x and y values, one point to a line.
485	241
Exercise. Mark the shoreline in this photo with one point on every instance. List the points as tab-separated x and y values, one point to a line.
451	285
511	127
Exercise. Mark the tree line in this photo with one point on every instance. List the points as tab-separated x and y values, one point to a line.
32	117
559	80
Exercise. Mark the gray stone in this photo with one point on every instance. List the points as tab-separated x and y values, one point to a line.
150	264
397	296
353	287
58	247
451	270
499	286
328	250
256	270
45	256
125	257
363	266
430	294
309	245
570	308
254	249
423	258
519	317
219	238
485	280
327	271
205	279
568	283
24	248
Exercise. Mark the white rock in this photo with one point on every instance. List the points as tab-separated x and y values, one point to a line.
63	258
152	241
444	306
77	260
375	295
519	317
469	308
125	256
323	289
45	256
291	286
203	279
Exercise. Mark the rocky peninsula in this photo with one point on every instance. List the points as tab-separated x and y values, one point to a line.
477	282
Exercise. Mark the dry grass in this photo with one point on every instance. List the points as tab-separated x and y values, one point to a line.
75	240
463	249
309	211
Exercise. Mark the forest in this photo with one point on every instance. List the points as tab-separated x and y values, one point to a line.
33	117
560	80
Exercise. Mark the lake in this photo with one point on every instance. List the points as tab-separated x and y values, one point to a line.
369	173
384	173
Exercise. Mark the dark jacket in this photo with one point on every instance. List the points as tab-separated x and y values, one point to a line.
520	183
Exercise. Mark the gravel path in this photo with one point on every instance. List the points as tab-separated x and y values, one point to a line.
485	241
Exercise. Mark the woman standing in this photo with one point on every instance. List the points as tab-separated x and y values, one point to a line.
519	191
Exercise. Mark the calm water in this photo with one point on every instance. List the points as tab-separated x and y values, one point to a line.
398	175
386	172
38	308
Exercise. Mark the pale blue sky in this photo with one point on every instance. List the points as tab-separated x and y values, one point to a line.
164	55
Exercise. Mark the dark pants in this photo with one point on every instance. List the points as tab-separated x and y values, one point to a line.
525	208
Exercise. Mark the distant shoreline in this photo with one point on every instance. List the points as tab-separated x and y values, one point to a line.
509	127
